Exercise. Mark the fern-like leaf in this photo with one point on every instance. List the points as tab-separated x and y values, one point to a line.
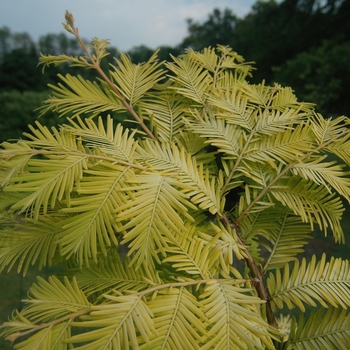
53	299
193	254
77	96
55	304
227	138
279	231
165	111
134	80
324	282
208	58
232	107
193	144
152	215
48	338
234	318
312	202
327	174
273	121
326	129
259	94
47	182
116	142
197	180
48	175
190	78
322	330
110	275
116	325
90	225
285	146
286	241
29	242
178	319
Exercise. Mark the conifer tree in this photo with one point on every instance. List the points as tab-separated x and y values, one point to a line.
215	173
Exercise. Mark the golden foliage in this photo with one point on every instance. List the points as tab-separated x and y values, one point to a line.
217	172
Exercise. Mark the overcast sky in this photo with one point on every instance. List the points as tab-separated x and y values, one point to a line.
125	23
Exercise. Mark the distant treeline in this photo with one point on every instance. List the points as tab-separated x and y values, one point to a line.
304	44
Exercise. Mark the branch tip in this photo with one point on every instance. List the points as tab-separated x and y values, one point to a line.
69	19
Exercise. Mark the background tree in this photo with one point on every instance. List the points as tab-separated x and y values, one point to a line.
140	54
219	28
320	75
5	34
73	196
20	110
18	62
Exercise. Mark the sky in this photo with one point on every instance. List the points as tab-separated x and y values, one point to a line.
126	24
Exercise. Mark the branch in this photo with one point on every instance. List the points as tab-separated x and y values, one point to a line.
69	26
247	144
15	336
186	284
256	275
35	152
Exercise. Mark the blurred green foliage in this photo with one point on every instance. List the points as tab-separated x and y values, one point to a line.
18	109
321	75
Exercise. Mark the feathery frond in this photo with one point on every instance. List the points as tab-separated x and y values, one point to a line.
193	255
178	319
47	175
197	180
322	330
285	146
233	109
327	283
191	80
115	325
198	253
284	99
208	58
270	121
54	337
91	223
327	174
116	142
112	276
76	96
259	94
234	317
227	138
165	111
29	242
46	182
53	299
285	241
152	215
327	129
280	232
48	301
193	144
312	202
133	80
